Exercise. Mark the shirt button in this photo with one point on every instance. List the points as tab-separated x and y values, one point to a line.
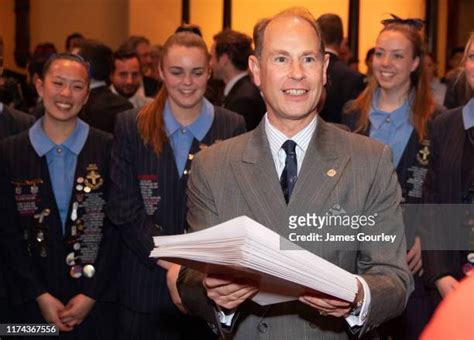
183	131
388	120
58	150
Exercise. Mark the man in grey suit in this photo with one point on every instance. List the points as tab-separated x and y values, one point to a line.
323	168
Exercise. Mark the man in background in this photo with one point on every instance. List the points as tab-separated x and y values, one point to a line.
102	106
343	82
229	62
126	78
142	48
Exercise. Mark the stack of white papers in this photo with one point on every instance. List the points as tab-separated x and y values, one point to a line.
244	247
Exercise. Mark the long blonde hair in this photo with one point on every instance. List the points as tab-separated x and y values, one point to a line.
150	119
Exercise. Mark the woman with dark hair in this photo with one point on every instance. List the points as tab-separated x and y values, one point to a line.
151	161
396	109
59	247
450	180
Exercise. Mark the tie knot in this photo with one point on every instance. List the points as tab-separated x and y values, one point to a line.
289	146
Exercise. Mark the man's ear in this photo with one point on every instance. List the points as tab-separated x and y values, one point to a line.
254	67
325	67
223	59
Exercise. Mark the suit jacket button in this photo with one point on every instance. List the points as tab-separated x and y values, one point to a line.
262	327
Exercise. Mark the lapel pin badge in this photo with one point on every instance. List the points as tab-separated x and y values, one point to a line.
331	173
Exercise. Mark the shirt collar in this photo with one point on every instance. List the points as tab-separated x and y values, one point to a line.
276	138
330	50
43	144
398	116
233	81
198	128
468	114
97	83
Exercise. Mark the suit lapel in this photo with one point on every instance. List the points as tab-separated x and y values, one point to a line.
257	179
322	168
234	90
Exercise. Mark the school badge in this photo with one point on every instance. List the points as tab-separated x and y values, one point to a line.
93	179
423	155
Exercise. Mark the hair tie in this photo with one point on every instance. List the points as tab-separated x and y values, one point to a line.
413	22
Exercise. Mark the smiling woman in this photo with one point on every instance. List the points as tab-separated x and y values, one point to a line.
64	88
52	198
396	109
152	159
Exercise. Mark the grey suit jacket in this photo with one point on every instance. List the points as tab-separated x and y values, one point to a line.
238	177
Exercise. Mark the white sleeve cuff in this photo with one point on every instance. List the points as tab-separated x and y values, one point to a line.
225	318
358	320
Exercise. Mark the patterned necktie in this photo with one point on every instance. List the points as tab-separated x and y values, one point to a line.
290	172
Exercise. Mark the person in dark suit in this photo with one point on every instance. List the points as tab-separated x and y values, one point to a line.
332	167
12	122
60	249
142	48
343	82
396	109
151	161
229	62
450	180
102	106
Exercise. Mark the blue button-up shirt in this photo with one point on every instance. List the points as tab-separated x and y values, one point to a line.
391	128
181	137
61	160
468	115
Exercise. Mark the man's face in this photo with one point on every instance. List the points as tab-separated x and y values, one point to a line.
143	51
215	63
291	71
455	60
126	77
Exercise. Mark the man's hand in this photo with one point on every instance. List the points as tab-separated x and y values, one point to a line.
76	310
414	261
329	305
171	279
50	308
446	285
227	291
